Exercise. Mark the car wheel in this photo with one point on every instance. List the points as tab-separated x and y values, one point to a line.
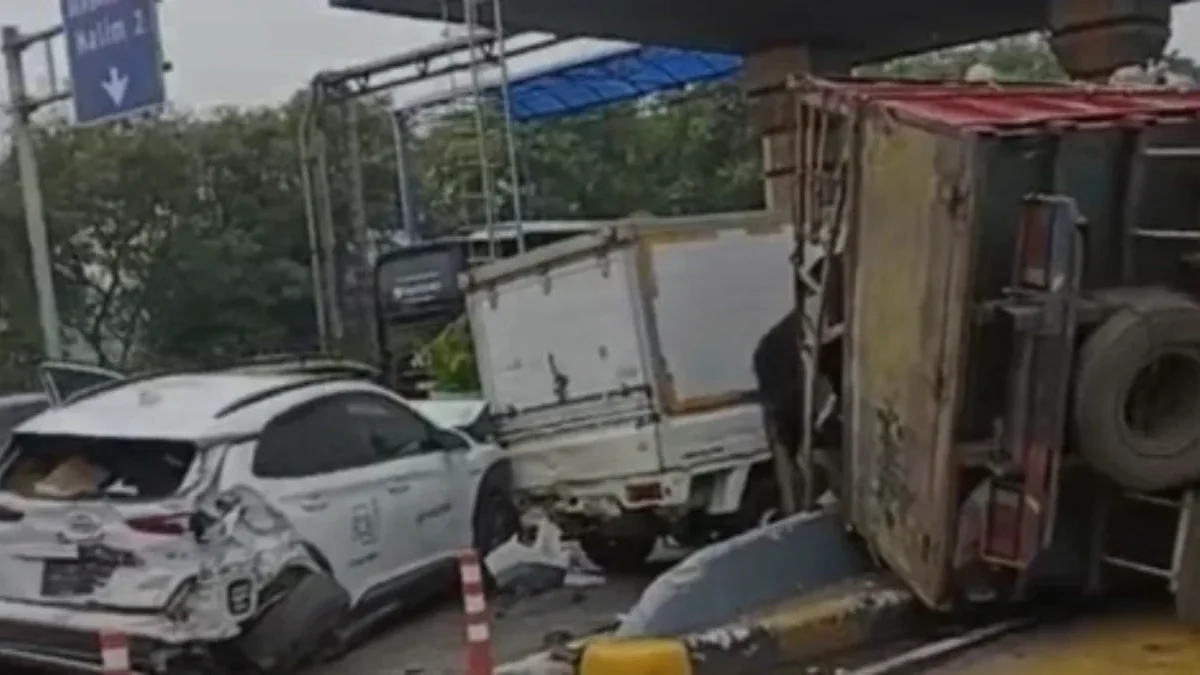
618	554
297	626
496	518
495	521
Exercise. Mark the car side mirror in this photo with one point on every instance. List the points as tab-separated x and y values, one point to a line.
448	441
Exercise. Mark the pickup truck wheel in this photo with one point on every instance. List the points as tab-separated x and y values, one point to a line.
296	627
617	554
1137	395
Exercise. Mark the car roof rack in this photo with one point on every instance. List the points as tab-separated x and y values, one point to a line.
272	392
324	368
308	362
113	385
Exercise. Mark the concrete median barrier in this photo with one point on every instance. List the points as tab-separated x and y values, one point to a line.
789	593
804	630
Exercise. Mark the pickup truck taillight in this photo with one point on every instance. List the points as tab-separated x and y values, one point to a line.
10	515
643	492
167	524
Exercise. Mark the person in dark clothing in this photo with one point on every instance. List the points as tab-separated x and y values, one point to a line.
777	368
777	376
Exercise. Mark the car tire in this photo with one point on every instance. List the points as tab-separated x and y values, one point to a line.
619	554
1137	393
496	520
296	627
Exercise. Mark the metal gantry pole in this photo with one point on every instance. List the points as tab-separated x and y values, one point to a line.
328	235
13	44
363	257
314	237
408	213
471	18
510	140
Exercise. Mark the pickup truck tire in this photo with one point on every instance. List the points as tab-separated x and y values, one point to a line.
1137	393
761	505
619	554
295	628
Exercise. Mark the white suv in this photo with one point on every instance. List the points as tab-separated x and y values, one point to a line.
232	519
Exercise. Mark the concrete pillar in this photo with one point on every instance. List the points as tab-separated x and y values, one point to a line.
1093	38
764	81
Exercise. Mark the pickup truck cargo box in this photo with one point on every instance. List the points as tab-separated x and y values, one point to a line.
644	320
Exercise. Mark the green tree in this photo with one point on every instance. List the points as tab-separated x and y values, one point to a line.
20	339
451	359
180	240
689	151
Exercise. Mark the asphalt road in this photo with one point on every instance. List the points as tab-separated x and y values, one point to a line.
429	642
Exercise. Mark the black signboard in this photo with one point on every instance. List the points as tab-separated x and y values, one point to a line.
419	282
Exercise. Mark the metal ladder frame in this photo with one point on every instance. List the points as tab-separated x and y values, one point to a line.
819	207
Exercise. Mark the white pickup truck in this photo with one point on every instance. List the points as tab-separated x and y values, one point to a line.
617	366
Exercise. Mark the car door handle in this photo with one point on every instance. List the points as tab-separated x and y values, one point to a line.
313	503
398	488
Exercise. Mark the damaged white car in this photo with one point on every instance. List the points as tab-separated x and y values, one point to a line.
232	522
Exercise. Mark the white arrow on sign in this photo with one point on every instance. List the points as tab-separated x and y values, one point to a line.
115	85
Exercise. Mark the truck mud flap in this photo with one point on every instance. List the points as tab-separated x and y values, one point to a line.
746	574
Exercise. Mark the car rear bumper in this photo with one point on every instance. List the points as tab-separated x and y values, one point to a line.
68	639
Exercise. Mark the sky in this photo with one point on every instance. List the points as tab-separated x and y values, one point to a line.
247	52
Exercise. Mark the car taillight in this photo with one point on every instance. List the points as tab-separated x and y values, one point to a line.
10	515
170	524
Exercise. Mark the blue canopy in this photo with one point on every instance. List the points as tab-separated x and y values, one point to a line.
626	74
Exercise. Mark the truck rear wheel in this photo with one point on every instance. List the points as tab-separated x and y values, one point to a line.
619	554
1137	394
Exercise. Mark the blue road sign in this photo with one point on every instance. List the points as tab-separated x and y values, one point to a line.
115	58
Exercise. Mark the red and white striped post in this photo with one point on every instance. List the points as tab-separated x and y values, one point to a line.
114	653
478	625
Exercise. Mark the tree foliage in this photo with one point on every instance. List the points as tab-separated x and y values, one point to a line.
452	359
182	240
682	152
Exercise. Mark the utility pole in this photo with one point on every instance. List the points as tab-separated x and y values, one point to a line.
21	108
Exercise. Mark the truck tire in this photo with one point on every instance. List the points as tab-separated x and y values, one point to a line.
1137	393
760	505
296	627
618	554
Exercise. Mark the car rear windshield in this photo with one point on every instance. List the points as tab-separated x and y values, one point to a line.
83	467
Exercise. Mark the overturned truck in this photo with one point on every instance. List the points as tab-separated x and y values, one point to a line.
1022	359
1018	370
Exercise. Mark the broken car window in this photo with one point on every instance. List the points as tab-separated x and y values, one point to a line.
83	467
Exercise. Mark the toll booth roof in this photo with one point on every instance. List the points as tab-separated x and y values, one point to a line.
1010	108
862	28
848	31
